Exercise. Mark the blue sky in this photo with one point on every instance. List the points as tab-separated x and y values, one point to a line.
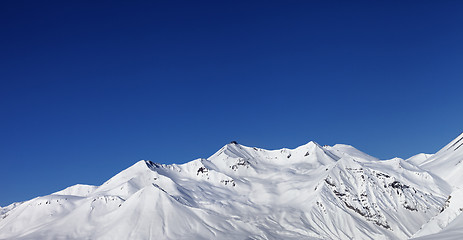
87	89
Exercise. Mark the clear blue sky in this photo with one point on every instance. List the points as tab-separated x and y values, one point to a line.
87	89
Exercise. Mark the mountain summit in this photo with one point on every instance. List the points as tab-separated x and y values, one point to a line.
240	192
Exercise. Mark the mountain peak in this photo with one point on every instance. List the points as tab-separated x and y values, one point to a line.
311	191
344	149
310	145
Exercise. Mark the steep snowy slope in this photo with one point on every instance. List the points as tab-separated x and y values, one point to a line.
447	163
454	231
451	210
311	192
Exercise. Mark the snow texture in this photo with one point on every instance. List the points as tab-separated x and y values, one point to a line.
310	192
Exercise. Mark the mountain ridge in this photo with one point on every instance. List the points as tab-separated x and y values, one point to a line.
240	192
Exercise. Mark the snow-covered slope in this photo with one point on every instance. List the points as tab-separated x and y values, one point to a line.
454	231
310	192
450	211
447	164
419	158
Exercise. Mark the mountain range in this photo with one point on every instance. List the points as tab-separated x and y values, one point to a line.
240	192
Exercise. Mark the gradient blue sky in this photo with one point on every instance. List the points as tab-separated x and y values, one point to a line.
87	89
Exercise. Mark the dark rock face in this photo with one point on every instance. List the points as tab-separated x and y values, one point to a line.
202	170
398	185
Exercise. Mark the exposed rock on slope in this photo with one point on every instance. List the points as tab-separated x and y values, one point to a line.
240	192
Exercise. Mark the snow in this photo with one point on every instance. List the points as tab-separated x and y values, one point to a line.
451	210
240	192
447	162
80	190
453	231
419	158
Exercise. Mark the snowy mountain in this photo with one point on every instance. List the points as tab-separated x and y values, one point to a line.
310	192
447	164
